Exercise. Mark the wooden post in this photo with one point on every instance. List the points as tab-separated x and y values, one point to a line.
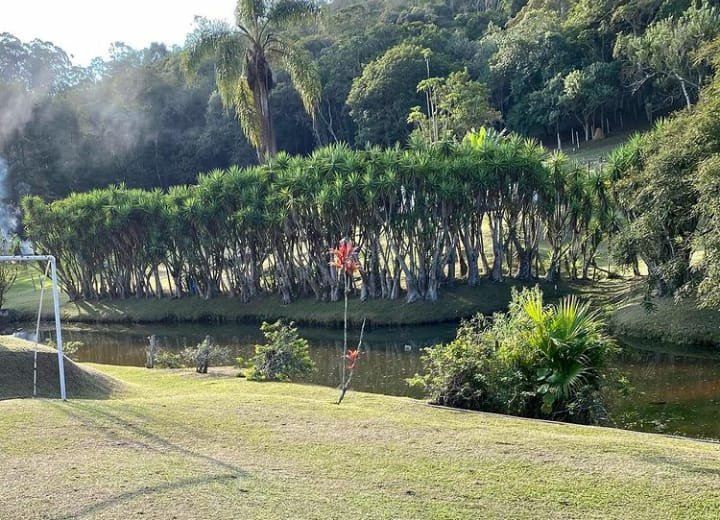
150	352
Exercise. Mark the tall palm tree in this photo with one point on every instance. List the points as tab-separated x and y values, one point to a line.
243	56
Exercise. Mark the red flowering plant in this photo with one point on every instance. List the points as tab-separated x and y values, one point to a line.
345	260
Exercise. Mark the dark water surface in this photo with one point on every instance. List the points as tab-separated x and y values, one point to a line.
672	389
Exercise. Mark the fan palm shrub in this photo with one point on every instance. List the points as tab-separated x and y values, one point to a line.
535	360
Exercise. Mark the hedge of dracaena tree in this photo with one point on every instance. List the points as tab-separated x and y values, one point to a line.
422	217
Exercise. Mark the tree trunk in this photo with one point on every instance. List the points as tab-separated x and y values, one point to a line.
471	258
496	274
524	272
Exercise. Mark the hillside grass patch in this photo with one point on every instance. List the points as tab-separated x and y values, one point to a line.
184	445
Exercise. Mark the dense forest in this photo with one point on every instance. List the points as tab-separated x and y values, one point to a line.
360	119
540	68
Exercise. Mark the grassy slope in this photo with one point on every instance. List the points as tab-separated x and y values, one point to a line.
668	322
185	446
16	373
455	303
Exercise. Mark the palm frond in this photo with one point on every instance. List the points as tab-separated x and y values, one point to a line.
203	42
302	71
287	12
248	116
249	12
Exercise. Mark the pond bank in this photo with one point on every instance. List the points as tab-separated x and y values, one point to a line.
667	321
619	299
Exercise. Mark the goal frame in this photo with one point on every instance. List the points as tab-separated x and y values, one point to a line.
56	308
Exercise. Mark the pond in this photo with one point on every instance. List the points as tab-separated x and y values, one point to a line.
672	389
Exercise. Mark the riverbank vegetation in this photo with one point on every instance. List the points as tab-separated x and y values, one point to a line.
186	445
534	361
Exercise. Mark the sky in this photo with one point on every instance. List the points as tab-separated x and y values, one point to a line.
86	28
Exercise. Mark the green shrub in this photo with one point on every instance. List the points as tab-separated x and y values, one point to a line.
168	359
70	349
204	354
534	361
283	357
199	357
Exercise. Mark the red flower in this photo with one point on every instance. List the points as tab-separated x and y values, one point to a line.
345	257
352	357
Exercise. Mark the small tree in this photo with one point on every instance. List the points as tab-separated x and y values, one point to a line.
284	356
454	105
203	354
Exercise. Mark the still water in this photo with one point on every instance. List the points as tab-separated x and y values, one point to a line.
672	389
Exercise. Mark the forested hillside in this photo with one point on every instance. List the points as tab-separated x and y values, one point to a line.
542	68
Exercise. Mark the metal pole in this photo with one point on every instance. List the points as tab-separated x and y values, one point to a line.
37	326
58	333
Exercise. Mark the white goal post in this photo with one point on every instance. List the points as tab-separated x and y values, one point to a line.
56	305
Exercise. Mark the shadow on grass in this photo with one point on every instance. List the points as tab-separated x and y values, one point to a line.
113	427
91	510
663	460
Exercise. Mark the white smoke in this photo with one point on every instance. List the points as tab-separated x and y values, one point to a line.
16	108
8	217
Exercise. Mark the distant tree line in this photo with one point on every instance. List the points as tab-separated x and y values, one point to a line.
422	218
543	68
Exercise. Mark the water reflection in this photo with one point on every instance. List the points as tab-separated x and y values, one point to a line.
390	355
673	390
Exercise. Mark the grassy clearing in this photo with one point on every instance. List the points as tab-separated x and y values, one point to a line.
596	151
185	446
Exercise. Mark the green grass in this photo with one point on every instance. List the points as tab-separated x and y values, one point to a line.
668	321
181	445
594	151
455	302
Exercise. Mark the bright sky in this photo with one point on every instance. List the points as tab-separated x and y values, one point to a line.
86	28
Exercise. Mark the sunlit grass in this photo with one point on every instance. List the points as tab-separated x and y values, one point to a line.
185	446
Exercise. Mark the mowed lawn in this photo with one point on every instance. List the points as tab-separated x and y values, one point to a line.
177	445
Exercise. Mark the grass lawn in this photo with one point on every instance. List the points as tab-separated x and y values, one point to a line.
668	322
179	445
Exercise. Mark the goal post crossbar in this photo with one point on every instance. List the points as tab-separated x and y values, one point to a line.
56	306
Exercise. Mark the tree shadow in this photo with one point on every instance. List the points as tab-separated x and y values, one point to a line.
142	438
690	467
92	509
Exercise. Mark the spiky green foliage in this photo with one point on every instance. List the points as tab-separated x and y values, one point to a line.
418	213
535	360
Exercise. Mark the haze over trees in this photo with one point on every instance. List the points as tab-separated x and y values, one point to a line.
545	67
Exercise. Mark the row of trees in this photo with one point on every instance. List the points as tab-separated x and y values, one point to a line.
419	215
